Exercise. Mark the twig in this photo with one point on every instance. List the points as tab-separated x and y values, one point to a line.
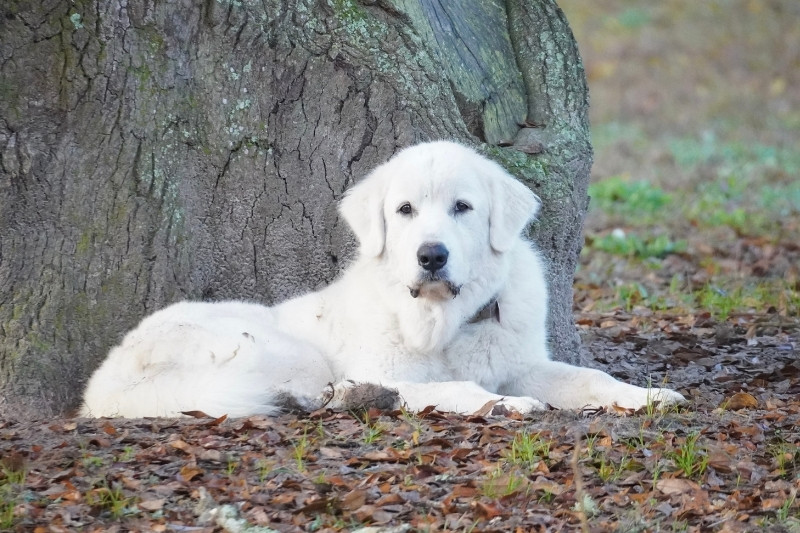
580	495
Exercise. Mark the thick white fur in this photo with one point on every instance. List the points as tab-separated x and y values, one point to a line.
240	358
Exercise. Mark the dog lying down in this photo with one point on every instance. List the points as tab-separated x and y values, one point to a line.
446	303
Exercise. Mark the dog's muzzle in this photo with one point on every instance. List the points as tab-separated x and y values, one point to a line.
434	283
432	257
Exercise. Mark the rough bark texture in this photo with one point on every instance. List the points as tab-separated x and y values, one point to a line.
155	151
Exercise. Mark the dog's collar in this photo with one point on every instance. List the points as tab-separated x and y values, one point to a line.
488	312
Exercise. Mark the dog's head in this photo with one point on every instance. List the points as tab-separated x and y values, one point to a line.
436	213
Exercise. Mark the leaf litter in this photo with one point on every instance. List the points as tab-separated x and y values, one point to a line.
728	461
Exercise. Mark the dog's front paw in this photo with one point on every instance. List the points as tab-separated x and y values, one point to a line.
348	395
640	397
666	397
521	404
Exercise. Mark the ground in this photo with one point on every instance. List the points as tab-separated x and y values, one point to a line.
689	278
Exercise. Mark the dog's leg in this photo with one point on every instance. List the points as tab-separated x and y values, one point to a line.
464	397
570	387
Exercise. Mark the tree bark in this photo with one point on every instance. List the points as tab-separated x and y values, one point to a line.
156	151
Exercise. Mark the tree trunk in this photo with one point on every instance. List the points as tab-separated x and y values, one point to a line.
156	151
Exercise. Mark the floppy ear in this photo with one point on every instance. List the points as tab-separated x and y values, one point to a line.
362	208
513	205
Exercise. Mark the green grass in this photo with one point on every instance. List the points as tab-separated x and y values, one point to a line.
725	299
784	513
265	468
8	503
726	206
500	483
111	500
690	458
300	450
372	430
527	450
636	198
231	466
785	456
11	482
632	245
748	187
722	298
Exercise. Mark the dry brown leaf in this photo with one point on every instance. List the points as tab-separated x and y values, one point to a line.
719	460
210	455
152	505
196	414
674	486
486	408
217	421
189	472
487	510
13	462
621	410
772	503
257	422
182	446
100	442
463	491
547	486
740	400
751	336
354	499
377	456
330	453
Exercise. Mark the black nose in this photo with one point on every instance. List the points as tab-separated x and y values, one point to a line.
432	256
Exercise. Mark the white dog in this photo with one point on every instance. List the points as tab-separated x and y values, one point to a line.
446	303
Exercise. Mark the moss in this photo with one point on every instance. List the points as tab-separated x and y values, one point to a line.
36	343
84	242
142	73
9	96
521	165
349	11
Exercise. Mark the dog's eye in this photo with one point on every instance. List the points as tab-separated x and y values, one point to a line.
405	209
462	207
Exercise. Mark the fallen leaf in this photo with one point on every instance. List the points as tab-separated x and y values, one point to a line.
152	505
354	499
674	486
740	400
197	414
463	491
486	408
13	462
182	446
330	453
189	472
217	421
752	340
486	510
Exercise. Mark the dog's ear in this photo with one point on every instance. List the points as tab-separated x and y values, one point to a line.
362	208
513	206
